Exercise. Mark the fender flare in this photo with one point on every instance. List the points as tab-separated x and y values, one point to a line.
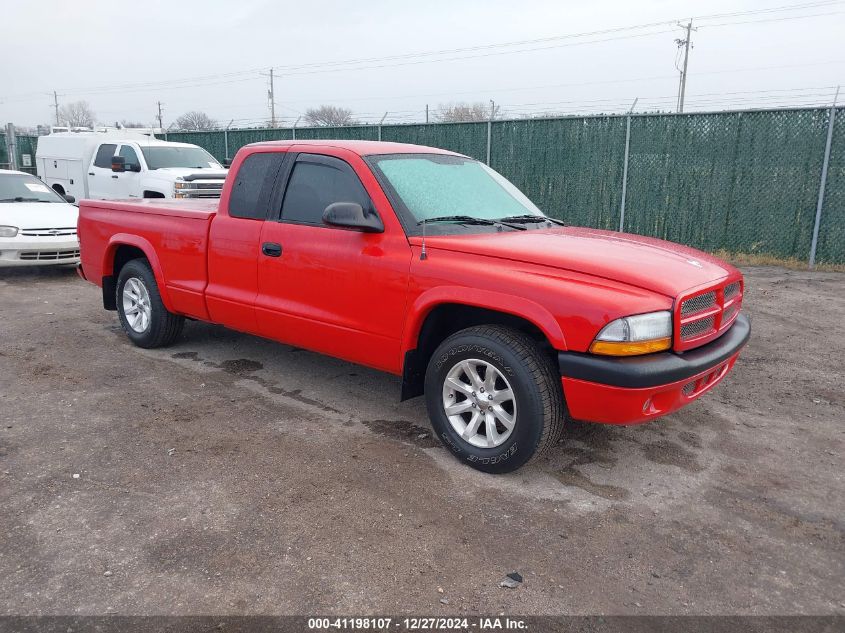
126	239
489	300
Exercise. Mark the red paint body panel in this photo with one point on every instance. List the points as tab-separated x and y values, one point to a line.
364	297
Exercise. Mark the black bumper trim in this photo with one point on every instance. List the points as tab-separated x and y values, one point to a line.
652	370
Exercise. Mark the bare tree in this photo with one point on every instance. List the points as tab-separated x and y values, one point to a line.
195	120
77	114
131	124
329	116
464	112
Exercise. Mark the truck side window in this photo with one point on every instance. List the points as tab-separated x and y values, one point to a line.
315	185
104	155
250	197
129	154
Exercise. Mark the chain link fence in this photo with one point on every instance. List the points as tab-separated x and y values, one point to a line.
743	182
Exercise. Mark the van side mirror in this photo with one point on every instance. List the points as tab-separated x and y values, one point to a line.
118	163
351	215
69	198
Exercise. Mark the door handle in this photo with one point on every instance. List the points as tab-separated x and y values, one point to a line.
271	249
114	176
90	173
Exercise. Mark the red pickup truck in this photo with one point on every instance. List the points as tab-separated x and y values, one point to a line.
431	266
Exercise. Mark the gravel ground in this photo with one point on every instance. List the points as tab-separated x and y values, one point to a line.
232	475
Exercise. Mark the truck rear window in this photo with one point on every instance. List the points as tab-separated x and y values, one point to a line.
251	189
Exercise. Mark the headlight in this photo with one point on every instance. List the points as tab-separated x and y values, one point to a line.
8	231
633	335
180	185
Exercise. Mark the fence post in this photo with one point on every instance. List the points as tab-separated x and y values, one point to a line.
379	125
625	166
489	138
823	183
293	129
226	142
11	146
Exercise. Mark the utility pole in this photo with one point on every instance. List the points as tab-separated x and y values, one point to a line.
492	109
272	101
160	124
56	105
426	113
682	87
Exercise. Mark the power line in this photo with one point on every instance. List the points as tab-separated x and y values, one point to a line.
341	65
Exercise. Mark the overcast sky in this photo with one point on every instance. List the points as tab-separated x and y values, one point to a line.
123	57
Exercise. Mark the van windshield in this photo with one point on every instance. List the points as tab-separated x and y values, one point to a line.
189	157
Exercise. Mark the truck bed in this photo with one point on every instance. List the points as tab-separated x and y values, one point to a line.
174	233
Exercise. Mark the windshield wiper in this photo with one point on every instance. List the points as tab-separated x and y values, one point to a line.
468	219
528	219
22	199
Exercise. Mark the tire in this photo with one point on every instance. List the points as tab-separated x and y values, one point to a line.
149	324
536	410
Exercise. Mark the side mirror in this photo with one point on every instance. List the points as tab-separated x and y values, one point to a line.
118	163
69	198
351	215
227	162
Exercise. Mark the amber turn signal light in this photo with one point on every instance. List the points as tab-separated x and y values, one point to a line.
630	348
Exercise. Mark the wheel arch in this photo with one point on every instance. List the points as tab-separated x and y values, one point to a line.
442	312
123	248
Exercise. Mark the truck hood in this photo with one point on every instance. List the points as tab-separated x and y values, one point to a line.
38	215
172	173
645	262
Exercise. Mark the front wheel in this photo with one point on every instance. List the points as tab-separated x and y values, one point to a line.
140	309
493	398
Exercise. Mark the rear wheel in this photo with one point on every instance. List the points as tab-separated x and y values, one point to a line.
493	398
140	309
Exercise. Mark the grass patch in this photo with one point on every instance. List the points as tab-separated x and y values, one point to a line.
756	259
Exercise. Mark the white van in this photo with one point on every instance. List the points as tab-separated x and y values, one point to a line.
121	164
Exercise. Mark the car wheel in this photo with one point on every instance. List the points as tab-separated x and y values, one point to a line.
493	398
140	309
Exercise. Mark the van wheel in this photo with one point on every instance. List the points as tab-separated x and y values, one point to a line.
142	314
493	398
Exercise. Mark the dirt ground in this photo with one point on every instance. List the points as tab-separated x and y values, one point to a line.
232	475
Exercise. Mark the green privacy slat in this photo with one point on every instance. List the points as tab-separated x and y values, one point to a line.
743	182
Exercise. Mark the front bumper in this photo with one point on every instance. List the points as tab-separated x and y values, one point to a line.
43	251
640	388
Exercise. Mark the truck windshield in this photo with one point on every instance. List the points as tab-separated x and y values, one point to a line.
190	157
24	188
432	186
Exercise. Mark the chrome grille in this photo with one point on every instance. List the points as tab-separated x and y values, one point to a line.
697	328
70	230
699	303
40	256
702	317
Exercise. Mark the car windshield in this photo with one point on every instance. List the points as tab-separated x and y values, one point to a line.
25	188
191	157
432	187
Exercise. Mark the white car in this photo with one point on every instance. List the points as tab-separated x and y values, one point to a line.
37	225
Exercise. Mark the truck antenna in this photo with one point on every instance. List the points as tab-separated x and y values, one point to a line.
423	253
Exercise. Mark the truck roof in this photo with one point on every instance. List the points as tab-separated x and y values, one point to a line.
362	148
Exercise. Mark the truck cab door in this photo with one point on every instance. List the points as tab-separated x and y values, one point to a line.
100	182
333	290
233	241
128	183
